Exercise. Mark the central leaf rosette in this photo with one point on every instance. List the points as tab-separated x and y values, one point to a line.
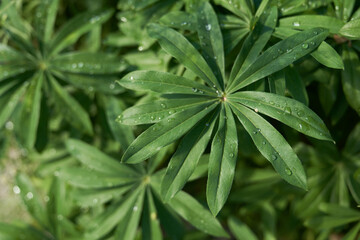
209	110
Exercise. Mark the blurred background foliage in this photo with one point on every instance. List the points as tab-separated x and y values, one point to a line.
77	98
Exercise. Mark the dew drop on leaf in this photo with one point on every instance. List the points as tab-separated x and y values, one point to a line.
231	155
287	110
29	195
163	105
273	157
289	50
288	171
208	27
296	24
305	46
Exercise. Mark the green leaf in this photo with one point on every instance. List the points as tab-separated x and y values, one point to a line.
240	230
179	20
9	55
77	26
94	159
211	39
98	83
161	82
351	78
351	235
71	109
11	98
31	199
30	110
324	54
106	221
88	63
222	162
193	212
272	146
113	106
326	222
286	110
188	153
296	86
128	226
277	83
304	22
338	211
351	29
45	16
327	55
254	43
87	178
279	56
150	224
179	47
157	111
165	132
351	146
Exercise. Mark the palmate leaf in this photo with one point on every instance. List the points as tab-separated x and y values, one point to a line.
208	110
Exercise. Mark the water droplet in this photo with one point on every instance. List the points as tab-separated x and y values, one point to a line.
29	195
296	24
273	157
16	190
154	128
288	171
289	50
152	117
231	155
280	51
94	19
135	208
264	143
140	48
112	86
300	126
207	124
208	27
256	110
74	65
163	105
80	64
95	200
287	110
60	217
131	78
183	24
305	46
300	113
170	120
9	125
123	19
194	90
315	32
46	198
271	102
312	43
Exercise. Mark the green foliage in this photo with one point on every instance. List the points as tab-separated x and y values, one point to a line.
158	119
